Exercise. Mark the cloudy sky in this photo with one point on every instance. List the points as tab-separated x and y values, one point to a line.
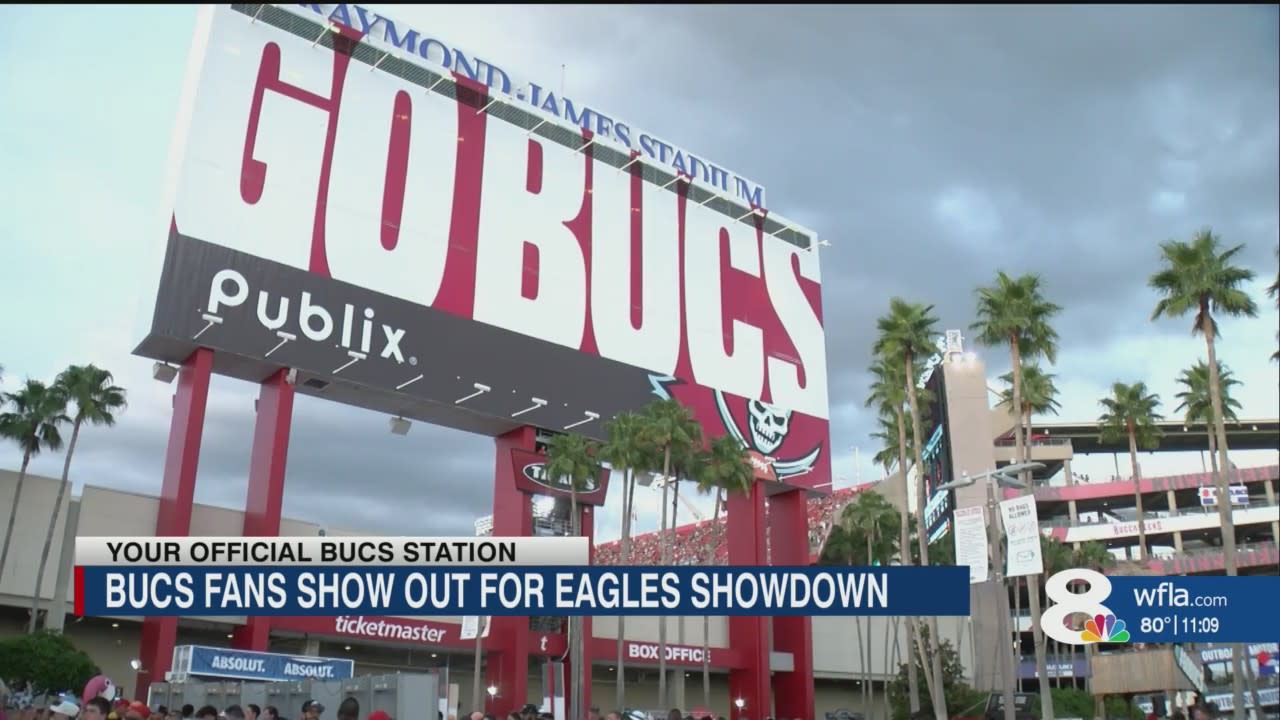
930	146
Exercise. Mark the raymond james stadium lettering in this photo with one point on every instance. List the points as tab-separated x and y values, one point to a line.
414	44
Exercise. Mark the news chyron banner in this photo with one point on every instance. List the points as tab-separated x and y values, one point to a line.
1160	609
325	576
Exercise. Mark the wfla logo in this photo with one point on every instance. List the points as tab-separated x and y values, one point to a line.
1102	625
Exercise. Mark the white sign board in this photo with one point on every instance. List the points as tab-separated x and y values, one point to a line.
1022	528
471	627
971	542
1209	495
1192	670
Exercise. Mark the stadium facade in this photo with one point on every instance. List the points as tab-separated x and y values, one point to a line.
968	435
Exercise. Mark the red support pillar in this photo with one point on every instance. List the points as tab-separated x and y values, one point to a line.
744	534
265	498
177	494
507	647
588	531
789	532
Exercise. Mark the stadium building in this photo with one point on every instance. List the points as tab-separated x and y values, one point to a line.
523	327
969	435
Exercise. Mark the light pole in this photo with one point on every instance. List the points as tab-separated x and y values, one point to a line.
476	698
1003	476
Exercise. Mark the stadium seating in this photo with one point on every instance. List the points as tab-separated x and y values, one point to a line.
694	541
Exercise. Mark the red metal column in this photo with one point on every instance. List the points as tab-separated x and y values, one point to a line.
588	531
744	534
507	647
177	493
266	485
789	545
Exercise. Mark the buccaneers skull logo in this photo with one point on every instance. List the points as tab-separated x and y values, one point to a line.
768	423
767	427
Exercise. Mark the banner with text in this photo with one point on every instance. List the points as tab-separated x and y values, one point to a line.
1160	609
971	542
216	662
511	591
1022	528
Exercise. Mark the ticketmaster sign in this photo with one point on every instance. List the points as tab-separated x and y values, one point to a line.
245	665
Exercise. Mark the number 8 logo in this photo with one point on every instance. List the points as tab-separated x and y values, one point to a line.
1063	603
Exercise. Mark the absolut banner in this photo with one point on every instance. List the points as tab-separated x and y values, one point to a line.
246	665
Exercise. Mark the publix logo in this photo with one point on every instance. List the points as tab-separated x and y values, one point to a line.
356	329
537	472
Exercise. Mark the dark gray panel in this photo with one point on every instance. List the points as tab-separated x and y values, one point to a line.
442	355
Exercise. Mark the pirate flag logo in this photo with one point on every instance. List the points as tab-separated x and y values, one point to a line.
767	427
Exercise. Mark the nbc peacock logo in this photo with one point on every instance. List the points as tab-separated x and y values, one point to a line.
1104	629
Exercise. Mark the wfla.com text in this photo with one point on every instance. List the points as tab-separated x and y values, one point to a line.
1166	594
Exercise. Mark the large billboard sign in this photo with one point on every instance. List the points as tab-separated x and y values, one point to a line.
936	460
409	241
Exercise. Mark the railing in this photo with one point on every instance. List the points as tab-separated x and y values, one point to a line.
1041	442
1157	515
1240	549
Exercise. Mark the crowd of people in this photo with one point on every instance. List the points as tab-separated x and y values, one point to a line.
532	712
697	541
63	707
98	702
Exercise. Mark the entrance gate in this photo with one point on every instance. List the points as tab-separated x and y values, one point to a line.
509	646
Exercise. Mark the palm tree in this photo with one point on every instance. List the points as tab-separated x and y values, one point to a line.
870	522
575	459
625	454
1057	557
667	428
1197	401
889	394
1014	312
842	548
905	333
1196	276
722	469
887	435
1038	397
1273	291
683	465
1039	393
97	401
863	534
37	411
1095	556
1130	413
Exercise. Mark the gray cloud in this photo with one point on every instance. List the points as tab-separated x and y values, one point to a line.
345	469
930	145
